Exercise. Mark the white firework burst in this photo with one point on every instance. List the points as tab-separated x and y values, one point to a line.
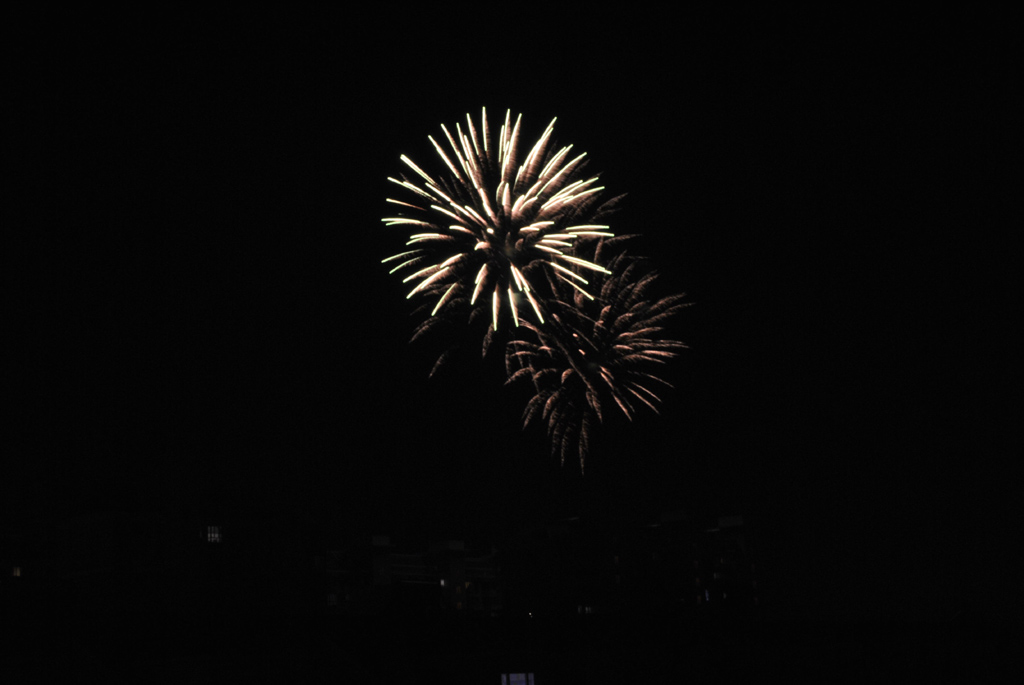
484	227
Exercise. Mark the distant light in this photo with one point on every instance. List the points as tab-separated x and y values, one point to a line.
16	572
442	582
516	679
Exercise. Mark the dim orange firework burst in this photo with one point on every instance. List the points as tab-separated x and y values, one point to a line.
596	353
491	221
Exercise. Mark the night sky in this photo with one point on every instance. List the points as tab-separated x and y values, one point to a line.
199	309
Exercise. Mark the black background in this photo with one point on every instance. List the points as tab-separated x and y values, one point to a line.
196	303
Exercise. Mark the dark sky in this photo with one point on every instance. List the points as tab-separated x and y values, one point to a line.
199	304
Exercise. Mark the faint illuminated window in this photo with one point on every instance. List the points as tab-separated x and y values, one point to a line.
213	534
516	679
16	572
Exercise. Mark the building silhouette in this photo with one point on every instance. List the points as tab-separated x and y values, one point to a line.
214	559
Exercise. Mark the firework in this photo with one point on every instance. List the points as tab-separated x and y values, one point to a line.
485	227
502	236
596	353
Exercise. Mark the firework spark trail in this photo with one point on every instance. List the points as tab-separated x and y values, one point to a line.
490	222
597	353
